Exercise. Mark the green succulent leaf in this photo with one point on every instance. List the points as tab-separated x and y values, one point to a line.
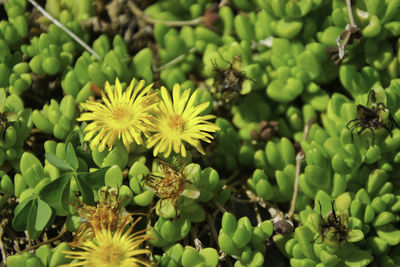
44	213
58	163
21	214
56	193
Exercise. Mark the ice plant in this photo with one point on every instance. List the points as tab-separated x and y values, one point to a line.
177	121
123	115
110	248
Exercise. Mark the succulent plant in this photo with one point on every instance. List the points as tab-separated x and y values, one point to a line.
254	125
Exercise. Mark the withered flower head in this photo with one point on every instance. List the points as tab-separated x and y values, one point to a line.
266	129
338	53
170	184
107	214
282	225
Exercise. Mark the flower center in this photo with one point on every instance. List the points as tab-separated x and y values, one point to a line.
112	255
121	114
175	122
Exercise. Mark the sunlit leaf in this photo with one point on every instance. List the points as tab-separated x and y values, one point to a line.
70	157
21	214
94	179
58	163
2	99
87	194
191	191
57	191
43	215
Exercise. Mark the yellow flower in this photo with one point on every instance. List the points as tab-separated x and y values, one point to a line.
122	115
178	120
108	249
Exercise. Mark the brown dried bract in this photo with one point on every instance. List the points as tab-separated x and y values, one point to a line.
266	129
107	214
168	186
211	16
338	53
283	226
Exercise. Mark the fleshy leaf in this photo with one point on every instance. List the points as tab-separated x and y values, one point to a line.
191	191
57	191
21	214
43	215
70	157
84	187
58	163
94	179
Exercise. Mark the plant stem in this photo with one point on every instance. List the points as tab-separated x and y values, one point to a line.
233	176
58	24
223	3
258	216
173	23
3	251
211	225
238	200
219	206
272	208
299	158
176	60
62	232
349	10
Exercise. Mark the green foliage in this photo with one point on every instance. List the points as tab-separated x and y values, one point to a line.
273	57
57	119
176	255
243	241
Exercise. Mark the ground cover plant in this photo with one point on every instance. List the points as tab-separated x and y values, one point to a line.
199	133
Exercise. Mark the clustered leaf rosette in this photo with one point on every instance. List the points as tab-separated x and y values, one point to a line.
175	44
227	148
248	114
15	126
166	232
88	75
244	242
313	244
187	256
57	118
333	147
377	25
44	256
13	30
274	177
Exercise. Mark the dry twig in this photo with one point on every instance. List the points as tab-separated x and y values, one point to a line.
299	158
58	24
51	240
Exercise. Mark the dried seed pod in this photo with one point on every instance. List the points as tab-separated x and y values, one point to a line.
283	225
